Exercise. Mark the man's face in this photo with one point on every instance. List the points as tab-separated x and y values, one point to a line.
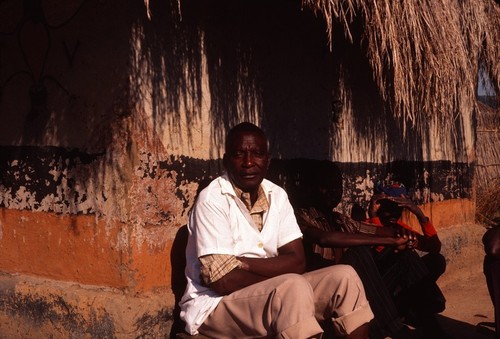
389	211
247	160
329	194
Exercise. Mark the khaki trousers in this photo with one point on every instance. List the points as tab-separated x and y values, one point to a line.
291	305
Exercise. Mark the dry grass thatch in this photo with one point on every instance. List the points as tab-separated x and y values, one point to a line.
488	203
488	164
425	55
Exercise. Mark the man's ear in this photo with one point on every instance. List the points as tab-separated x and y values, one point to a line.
224	160
268	162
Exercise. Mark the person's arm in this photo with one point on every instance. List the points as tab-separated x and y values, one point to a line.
343	239
358	234
290	259
429	241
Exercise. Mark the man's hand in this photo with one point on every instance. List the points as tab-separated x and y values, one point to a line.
410	236
404	238
408	204
401	244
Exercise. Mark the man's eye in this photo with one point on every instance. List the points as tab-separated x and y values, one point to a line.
256	154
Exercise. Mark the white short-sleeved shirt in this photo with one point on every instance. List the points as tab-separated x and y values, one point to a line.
219	223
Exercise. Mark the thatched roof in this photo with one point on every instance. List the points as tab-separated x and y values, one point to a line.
487	150
425	55
488	164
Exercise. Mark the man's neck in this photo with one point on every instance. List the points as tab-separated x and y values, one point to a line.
253	195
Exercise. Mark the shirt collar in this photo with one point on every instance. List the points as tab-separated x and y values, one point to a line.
261	204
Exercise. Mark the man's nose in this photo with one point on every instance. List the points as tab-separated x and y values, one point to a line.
248	158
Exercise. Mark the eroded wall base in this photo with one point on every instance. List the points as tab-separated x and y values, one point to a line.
37	308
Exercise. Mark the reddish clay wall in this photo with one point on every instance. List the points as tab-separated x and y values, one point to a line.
64	247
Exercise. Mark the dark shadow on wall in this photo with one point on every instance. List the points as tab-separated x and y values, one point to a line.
266	62
296	176
178	264
62	100
178	279
46	57
269	62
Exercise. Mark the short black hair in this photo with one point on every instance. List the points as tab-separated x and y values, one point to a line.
244	127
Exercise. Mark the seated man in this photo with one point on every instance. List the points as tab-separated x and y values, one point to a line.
245	259
331	238
491	241
410	278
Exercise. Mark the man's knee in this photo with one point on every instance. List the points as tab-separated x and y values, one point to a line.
341	269
347	271
339	278
437	264
295	288
292	306
295	281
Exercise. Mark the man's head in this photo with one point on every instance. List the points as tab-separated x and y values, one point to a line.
246	158
325	181
389	211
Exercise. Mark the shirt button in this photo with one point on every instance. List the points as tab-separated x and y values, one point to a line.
260	245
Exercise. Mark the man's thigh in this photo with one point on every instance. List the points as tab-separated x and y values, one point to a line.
269	307
333	281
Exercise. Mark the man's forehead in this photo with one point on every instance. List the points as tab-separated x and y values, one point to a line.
389	204
241	138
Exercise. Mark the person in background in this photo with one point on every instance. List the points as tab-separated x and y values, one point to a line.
491	241
245	259
331	238
410	278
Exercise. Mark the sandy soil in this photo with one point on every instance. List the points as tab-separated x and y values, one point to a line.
468	304
464	286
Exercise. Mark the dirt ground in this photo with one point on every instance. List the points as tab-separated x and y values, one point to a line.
468	304
464	286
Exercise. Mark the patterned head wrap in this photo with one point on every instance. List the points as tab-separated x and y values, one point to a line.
392	190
